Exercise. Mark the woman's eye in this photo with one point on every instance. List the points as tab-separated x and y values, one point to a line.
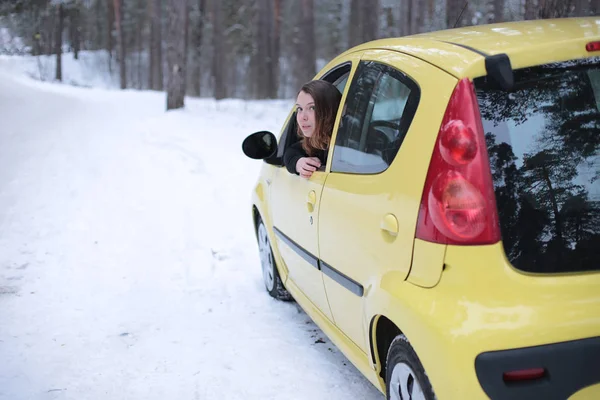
312	108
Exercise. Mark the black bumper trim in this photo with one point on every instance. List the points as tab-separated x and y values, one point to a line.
570	367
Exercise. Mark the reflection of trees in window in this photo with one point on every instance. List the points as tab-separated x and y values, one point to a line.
506	182
549	222
356	107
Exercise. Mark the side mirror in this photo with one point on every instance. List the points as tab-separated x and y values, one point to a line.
260	145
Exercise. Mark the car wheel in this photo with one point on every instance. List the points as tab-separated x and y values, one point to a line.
405	377
270	274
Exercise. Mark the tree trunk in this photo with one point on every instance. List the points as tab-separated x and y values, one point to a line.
156	65
109	37
177	14
308	56
196	42
410	16
275	42
364	21
121	42
140	47
416	16
97	38
75	28
530	9
554	8
495	10
581	9
151	65
370	20
218	65
431	11
49	36
186	30
59	33
36	48
403	21
355	28
264	50
555	211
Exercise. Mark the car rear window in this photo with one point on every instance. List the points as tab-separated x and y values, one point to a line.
543	139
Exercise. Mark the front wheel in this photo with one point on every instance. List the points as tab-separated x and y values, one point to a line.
405	377
271	278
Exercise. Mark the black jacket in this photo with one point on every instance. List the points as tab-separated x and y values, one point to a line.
292	154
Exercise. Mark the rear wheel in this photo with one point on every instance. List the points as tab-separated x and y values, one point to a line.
405	376
271	278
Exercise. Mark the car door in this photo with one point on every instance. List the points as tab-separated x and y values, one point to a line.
295	204
370	201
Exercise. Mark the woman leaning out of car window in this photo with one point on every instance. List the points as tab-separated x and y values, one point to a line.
316	108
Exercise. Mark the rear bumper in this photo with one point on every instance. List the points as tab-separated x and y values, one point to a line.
569	367
485	319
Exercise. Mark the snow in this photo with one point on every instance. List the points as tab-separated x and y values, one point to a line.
128	263
90	70
8	43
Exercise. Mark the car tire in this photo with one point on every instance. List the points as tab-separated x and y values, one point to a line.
271	278
405	376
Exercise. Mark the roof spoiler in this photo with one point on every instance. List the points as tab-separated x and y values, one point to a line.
498	68
500	71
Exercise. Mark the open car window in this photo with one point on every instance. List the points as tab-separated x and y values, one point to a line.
338	76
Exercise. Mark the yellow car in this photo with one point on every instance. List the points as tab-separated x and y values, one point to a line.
450	246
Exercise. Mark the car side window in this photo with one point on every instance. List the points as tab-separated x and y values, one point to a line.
338	76
379	109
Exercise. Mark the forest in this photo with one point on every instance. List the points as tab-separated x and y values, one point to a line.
249	49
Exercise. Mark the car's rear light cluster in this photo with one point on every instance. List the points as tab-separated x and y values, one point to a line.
458	205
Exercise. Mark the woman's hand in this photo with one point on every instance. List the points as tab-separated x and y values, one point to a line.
307	165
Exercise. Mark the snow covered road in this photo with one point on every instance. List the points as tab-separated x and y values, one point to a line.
128	267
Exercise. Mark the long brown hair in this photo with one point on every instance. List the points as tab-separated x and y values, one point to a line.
327	101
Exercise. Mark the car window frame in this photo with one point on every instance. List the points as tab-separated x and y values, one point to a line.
408	113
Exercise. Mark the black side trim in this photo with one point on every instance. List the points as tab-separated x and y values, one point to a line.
570	367
328	270
312	260
342	279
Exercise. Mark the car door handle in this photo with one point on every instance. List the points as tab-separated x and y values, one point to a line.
389	224
311	200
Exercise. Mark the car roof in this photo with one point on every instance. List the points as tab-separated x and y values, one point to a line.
461	52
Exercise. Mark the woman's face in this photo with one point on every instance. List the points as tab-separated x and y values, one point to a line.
305	116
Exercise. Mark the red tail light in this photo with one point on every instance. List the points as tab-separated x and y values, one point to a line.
458	205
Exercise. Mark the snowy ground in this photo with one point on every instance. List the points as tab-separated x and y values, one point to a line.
128	266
